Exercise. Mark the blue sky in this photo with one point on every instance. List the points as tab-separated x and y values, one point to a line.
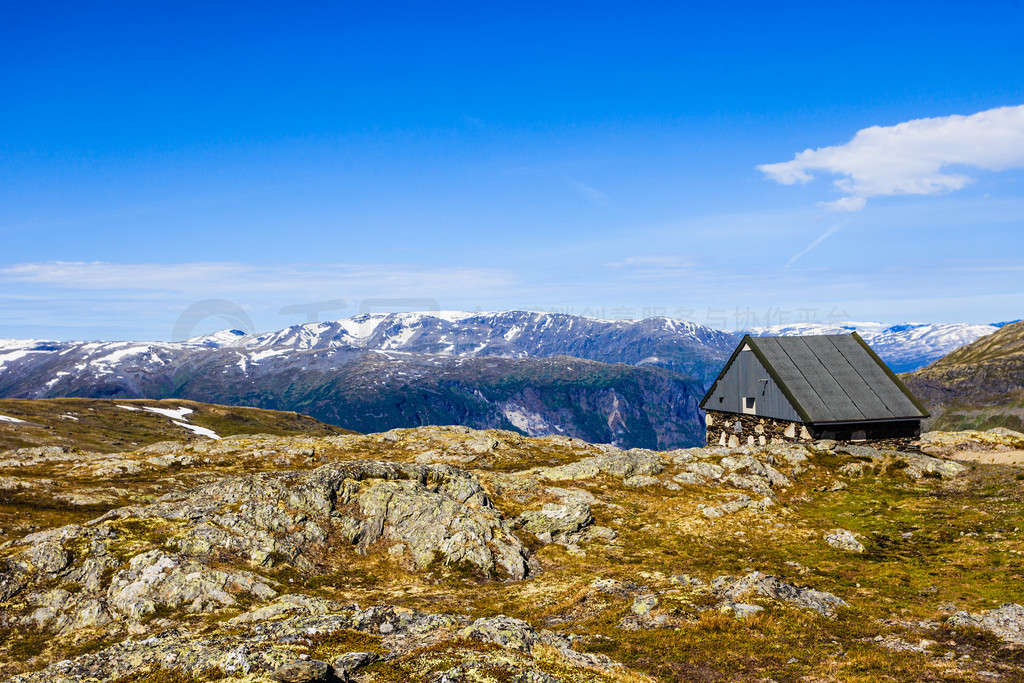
610	159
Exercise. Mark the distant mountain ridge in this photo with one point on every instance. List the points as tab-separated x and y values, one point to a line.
377	371
674	344
628	383
978	386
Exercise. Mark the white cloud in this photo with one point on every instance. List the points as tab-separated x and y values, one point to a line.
846	204
219	278
911	158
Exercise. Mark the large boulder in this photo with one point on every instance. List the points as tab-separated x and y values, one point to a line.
843	539
621	464
557	523
769	586
1007	621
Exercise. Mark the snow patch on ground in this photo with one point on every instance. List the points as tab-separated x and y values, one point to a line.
173	413
4	418
176	415
201	431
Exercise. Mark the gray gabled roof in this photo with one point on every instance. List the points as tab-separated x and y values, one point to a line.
834	378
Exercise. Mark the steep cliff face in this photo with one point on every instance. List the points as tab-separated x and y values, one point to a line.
978	386
598	402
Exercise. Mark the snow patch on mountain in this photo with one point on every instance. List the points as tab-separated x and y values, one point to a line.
5	418
13	350
904	348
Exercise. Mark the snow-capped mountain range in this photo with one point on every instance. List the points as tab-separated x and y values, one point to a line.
434	367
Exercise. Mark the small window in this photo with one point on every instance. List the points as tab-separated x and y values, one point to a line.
748	405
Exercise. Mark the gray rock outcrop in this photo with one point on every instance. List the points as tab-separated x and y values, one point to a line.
843	539
1006	621
769	586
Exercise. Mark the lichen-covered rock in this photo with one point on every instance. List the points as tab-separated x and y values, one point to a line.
706	470
557	523
289	605
852	469
689	478
792	453
919	466
640	480
511	633
49	557
1007	621
420	514
749	482
844	539
740	610
441	525
255	650
623	464
737	503
309	671
353	661
156	577
152	579
436	511
515	634
745	464
859	451
757	583
643	604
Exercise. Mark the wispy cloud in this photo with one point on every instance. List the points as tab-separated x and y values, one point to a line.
911	158
591	194
216	278
821	238
651	263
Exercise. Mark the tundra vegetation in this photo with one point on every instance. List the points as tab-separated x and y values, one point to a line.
448	554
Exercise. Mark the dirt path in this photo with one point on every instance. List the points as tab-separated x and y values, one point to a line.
997	457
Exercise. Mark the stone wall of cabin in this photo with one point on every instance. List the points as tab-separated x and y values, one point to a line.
730	429
733	430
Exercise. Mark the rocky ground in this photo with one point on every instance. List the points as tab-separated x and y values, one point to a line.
444	554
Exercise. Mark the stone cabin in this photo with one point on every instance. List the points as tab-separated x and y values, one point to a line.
829	386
